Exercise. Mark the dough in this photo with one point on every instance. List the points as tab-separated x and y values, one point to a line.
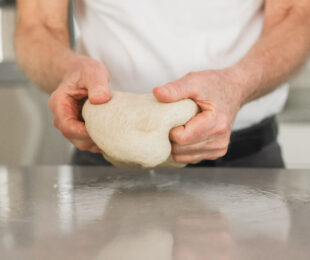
133	129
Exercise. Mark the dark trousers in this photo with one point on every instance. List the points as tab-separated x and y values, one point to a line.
254	147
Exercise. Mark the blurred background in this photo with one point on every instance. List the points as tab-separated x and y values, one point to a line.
27	135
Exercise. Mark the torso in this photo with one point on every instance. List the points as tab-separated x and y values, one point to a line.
149	43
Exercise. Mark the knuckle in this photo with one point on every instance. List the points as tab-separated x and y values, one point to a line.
181	140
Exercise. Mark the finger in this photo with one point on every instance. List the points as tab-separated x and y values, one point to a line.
176	90
196	130
194	158
86	145
94	149
98	89
201	147
66	114
177	149
220	142
83	145
74	129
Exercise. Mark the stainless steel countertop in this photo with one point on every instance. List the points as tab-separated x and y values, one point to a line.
186	214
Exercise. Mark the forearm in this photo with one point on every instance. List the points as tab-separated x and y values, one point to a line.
44	55
282	48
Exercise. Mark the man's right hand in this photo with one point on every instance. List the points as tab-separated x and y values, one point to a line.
87	78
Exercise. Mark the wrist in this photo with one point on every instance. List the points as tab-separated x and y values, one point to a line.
252	79
243	80
235	87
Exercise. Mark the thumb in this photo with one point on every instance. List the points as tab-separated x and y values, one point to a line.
98	93
174	91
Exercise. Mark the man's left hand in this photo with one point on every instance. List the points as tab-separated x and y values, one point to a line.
206	136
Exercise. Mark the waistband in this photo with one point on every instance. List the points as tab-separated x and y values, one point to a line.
253	139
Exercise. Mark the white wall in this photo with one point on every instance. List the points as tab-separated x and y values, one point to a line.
295	143
295	129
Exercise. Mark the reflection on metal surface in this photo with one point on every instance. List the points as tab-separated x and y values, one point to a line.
91	202
27	135
4	194
107	213
235	200
65	197
164	224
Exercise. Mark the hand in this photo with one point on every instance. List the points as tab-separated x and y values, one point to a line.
206	136
87	78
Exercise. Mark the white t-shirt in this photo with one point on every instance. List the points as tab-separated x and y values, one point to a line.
147	43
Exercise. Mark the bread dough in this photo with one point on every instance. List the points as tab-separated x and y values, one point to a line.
133	129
